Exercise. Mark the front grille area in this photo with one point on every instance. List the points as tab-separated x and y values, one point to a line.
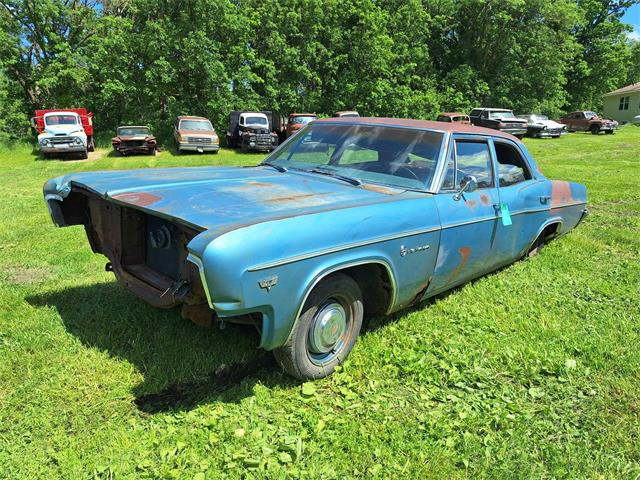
263	140
200	140
61	139
133	143
514	125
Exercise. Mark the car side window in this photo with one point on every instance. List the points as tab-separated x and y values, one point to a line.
512	167
475	112
471	158
485	114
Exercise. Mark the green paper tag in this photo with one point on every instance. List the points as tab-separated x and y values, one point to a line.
505	215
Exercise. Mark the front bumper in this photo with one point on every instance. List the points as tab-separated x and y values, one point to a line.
550	133
195	147
64	148
133	149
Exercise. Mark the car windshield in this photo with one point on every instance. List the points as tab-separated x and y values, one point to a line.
345	115
255	121
61	120
302	119
540	117
202	125
590	114
504	114
127	131
397	157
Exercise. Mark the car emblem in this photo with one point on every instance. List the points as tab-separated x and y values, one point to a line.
268	282
404	250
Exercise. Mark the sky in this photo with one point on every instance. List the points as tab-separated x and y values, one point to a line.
632	17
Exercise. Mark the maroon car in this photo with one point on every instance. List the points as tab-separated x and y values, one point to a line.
587	121
134	139
455	117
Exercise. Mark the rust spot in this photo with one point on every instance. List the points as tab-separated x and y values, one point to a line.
485	200
464	252
560	193
381	189
470	203
295	198
141	199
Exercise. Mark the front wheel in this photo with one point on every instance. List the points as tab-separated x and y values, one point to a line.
595	130
609	132
326	330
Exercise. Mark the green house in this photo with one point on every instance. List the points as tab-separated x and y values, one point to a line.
622	104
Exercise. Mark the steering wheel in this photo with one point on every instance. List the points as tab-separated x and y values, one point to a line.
413	174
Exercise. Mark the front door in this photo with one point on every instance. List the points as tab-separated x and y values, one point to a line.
469	221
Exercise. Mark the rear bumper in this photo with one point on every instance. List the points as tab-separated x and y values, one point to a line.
514	131
194	147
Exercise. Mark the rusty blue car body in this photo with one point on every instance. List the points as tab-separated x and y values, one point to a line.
406	208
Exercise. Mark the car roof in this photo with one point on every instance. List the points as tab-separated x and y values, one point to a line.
493	109
302	115
421	124
133	126
191	117
60	112
452	114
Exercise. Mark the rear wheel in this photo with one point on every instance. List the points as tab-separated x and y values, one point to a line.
326	330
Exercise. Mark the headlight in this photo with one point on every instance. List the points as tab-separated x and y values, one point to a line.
252	138
45	143
77	140
216	140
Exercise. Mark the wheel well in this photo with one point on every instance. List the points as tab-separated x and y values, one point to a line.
550	231
375	284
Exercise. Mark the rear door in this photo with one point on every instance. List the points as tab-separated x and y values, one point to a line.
469	222
524	201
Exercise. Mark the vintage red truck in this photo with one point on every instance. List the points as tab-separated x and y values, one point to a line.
61	131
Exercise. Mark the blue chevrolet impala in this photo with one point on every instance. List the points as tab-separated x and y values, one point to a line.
349	217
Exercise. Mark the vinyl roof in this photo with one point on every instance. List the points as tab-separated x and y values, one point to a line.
423	124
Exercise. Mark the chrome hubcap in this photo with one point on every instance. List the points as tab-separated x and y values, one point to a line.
329	325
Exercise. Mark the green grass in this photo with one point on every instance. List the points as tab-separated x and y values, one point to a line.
530	372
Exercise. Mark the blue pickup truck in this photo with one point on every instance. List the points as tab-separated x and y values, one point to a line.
348	218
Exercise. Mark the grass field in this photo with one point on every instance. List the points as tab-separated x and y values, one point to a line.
532	372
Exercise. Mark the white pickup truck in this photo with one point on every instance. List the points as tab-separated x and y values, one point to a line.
62	131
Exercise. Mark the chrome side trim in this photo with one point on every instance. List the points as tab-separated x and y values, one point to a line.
362	243
198	263
469	222
346	246
573	204
323	275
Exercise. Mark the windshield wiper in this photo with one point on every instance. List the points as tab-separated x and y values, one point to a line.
279	168
331	173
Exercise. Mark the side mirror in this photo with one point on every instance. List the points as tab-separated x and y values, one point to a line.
467	184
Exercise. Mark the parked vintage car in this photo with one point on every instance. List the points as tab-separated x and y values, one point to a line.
499	119
347	113
586	121
539	126
298	120
350	217
195	134
636	120
454	117
134	139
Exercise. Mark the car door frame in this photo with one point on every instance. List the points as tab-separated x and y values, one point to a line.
445	277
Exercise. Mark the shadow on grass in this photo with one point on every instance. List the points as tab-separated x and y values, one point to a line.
183	365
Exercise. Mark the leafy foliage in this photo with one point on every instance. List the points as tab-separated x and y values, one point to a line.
147	61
